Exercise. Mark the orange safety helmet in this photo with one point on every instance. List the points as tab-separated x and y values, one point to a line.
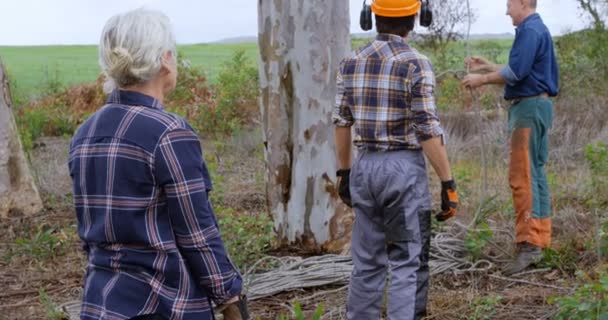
396	8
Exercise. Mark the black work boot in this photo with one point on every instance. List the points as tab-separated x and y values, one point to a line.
528	254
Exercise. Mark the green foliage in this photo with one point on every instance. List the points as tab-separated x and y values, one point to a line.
236	93
589	301
476	240
191	85
217	194
45	244
596	155
489	49
449	94
50	308
247	236
448	58
34	123
463	175
602	239
563	259
31	126
299	314
481	233
484	308
582	61
53	82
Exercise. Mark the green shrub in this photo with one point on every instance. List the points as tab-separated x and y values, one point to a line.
582	60
589	301
31	125
481	233
602	239
596	155
235	93
476	240
45	244
449	94
563	259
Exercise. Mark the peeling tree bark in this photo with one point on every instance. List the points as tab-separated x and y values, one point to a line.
17	189
301	45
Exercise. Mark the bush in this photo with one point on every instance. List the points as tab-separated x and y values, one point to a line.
564	258
582	61
236	93
222	108
45	244
596	155
590	301
449	94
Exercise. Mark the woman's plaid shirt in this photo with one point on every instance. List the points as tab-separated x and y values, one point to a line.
140	192
386	90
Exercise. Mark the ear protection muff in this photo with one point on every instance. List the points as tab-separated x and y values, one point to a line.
426	14
366	17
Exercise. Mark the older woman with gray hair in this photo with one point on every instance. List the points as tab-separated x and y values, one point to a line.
141	190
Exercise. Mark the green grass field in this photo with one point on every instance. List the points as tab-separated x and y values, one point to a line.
37	70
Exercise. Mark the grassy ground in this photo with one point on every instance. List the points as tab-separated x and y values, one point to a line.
39	70
41	264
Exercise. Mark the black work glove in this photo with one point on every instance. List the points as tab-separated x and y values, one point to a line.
343	188
449	200
235	311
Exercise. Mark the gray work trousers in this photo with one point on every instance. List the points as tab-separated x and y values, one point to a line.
391	235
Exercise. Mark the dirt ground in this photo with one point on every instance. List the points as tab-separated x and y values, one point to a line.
26	275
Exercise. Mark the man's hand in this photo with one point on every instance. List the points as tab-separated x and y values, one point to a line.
473	81
343	186
477	64
235	309
449	200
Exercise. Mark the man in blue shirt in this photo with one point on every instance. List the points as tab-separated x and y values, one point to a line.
530	78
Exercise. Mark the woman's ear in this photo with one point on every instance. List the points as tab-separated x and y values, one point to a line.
168	62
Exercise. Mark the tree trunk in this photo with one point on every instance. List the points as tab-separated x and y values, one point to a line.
18	192
301	45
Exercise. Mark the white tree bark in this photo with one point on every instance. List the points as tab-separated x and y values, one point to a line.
18	192
301	45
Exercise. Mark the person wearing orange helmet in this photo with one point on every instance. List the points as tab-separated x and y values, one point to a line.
386	97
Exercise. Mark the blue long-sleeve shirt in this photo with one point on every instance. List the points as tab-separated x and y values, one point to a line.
141	196
532	67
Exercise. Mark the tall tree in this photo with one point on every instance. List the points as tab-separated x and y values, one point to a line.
301	45
17	189
597	9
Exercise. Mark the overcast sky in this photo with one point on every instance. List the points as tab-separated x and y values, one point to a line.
37	22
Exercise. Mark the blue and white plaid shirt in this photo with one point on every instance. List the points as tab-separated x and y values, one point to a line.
386	90
141	196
